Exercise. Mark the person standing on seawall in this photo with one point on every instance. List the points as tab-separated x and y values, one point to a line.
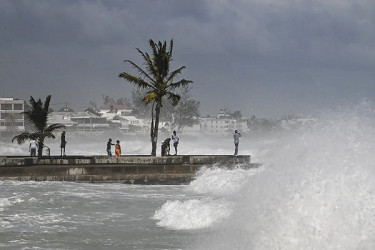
176	140
63	144
117	149
109	146
32	147
236	138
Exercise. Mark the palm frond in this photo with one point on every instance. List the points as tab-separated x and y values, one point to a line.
151	96
46	104
140	70
180	83
135	80
53	127
170	48
154	48
148	62
175	73
32	101
21	138
174	98
48	134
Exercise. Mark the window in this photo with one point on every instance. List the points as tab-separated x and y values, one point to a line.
6	106
18	106
5	115
18	116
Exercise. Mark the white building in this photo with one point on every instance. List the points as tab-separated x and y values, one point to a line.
11	117
88	122
222	126
116	109
62	118
80	121
131	124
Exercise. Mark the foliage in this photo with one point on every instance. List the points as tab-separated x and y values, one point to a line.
37	116
158	82
93	111
236	115
65	109
185	113
138	105
92	105
107	100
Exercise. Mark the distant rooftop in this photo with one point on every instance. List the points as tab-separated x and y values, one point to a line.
118	107
9	99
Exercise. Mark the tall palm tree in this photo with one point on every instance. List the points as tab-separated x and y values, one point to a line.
38	116
158	81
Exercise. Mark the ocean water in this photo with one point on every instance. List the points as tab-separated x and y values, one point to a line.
315	190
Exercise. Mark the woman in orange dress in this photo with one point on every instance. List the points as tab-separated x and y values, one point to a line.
117	149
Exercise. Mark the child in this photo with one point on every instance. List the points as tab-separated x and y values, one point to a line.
117	149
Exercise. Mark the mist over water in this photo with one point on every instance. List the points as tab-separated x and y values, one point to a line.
315	190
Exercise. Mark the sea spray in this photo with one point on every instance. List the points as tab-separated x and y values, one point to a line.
192	214
218	185
221	181
316	190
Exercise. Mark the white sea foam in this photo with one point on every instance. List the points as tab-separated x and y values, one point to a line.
4	202
220	180
219	185
192	214
316	190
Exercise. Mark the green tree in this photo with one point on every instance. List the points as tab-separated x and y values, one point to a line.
37	116
186	112
236	115
137	104
158	80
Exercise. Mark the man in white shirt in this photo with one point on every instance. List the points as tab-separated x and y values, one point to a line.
176	140
32	147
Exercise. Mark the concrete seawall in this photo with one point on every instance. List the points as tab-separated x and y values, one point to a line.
126	169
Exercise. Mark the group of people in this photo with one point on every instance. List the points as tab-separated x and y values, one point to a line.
117	148
34	145
165	147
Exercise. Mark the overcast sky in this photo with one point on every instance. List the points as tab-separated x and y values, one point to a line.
263	57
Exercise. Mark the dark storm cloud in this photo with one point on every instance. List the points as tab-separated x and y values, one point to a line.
266	57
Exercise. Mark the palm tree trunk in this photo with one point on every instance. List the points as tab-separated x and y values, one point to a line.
152	126
155	129
40	147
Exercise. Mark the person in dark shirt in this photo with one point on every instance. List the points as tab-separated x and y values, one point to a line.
109	146
236	138
63	144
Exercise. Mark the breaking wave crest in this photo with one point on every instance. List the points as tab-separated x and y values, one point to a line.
316	190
